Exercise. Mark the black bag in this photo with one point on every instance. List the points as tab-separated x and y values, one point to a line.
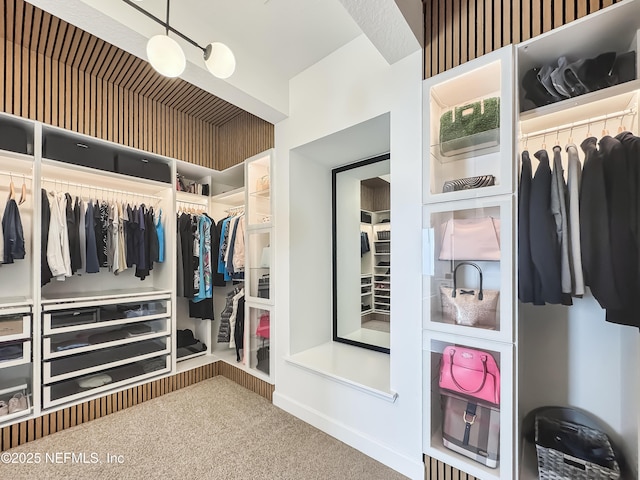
263	359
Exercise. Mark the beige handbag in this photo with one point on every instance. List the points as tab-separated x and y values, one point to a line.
469	307
262	183
471	239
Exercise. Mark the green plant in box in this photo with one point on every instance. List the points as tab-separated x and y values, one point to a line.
470	127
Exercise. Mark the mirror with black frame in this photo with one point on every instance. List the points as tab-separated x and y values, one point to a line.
362	253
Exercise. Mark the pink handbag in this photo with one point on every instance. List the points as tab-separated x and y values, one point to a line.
473	373
470	239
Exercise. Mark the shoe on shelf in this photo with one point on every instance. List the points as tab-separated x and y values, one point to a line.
4	408
17	402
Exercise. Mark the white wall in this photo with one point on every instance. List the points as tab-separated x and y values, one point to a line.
352	85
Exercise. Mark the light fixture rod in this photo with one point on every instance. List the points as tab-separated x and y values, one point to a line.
166	25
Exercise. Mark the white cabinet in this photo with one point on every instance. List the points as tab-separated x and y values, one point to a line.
93	345
468	259
547	355
259	271
19	200
468	127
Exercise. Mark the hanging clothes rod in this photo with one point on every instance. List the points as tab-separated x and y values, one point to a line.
571	126
102	189
16	175
199	205
235	209
187	202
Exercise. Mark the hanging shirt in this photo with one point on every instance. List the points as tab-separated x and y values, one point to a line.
92	264
160	234
58	242
45	271
112	237
196	257
238	246
224	237
73	233
12	233
121	265
82	231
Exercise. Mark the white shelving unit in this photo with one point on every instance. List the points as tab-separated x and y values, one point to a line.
259	272
192	203
487	79
17	298
547	355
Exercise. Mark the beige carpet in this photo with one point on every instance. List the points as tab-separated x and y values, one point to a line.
215	429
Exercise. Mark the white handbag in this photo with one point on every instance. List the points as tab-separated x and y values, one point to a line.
471	239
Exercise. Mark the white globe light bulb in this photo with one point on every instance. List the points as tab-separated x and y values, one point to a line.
166	56
219	60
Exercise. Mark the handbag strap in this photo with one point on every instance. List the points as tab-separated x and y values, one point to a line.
483	358
469	417
455	273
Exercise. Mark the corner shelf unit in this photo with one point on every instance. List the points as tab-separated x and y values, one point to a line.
64	342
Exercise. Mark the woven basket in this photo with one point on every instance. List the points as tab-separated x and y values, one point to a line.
556	465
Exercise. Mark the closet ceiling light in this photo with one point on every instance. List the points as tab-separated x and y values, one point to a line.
166	56
168	59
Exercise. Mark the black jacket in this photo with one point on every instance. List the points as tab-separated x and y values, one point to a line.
545	253
13	233
621	190
597	263
529	287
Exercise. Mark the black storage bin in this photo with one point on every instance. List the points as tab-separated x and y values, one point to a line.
141	166
78	151
16	136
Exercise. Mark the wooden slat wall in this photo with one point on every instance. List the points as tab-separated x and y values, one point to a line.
457	31
247	380
436	470
33	429
53	72
242	137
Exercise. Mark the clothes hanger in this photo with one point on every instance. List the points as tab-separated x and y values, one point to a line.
557	138
605	132
544	141
621	128
23	192
12	189
570	139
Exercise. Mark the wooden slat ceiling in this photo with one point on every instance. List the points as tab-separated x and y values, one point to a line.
30	27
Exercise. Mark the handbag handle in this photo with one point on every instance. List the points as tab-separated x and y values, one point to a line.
455	273
483	358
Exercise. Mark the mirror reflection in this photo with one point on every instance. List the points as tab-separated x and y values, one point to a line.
362	254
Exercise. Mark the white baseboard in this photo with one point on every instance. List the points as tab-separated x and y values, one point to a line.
410	467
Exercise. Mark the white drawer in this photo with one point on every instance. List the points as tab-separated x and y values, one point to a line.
15	327
70	391
15	353
69	319
71	343
83	364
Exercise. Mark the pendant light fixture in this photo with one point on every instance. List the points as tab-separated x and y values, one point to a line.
168	59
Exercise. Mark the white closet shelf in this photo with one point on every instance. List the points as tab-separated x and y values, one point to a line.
591	105
7	302
119	294
4	154
232	197
192	198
